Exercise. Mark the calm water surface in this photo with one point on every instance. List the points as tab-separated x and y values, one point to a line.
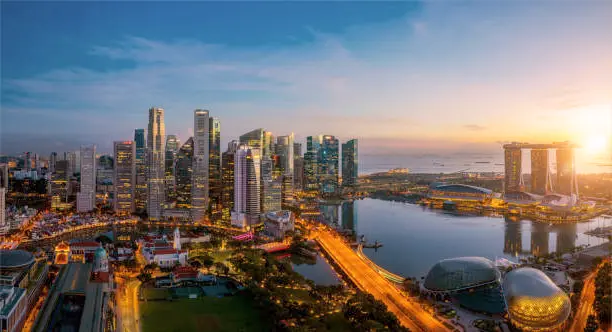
415	237
321	272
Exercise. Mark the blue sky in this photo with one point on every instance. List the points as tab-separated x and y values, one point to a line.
400	76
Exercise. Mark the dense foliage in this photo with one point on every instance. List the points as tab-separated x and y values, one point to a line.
603	290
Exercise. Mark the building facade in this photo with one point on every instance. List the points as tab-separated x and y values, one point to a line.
227	181
124	179
566	175
513	176
328	164
284	150
247	204
199	185
155	163
350	163
214	168
540	172
271	195
86	198
183	173
298	174
172	146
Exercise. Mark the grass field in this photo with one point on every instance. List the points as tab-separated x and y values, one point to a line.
233	314
155	293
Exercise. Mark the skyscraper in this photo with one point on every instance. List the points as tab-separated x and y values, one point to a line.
86	198
271	196
540	171
214	167
4	180
172	146
298	174
513	176
566	172
58	185
297	150
124	178
140	197
183	173
155	163
27	164
3	224
349	163
311	163
72	163
247	204
227	173
267	168
199	186
254	139
287	189
328	164
52	161
284	149
269	145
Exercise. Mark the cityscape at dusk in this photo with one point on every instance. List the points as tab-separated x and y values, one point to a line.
306	166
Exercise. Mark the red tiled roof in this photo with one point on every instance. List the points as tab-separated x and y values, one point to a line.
164	251
100	276
85	244
184	275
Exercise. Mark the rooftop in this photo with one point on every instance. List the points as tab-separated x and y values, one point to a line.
14	259
11	296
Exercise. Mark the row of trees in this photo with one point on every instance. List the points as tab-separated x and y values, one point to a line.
603	290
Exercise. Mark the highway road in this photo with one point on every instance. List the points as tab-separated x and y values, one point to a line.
587	297
128	315
410	314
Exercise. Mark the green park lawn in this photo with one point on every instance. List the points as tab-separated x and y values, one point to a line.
204	314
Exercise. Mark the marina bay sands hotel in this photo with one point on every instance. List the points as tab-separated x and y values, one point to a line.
541	177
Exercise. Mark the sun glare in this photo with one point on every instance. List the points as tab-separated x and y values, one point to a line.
595	144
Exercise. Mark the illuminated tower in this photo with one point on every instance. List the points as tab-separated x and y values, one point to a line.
513	176
172	146
199	185
247	189
155	163
183	172
86	198
328	164
566	172
140	196
349	163
52	161
124	176
540	171
284	149
311	163
227	173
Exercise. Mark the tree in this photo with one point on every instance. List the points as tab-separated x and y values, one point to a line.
208	261
591	325
578	285
104	240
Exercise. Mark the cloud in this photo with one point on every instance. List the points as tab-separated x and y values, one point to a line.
474	127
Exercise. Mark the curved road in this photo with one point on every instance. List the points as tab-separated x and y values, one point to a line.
410	314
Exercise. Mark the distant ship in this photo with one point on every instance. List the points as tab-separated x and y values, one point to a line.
482	162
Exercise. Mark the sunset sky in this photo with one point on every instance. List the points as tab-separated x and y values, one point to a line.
401	77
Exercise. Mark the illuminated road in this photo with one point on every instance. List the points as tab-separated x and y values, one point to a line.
587	297
410	314
128	316
388	275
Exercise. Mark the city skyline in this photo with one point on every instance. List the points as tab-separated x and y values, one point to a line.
497	86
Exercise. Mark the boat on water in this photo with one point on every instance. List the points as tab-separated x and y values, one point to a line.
482	162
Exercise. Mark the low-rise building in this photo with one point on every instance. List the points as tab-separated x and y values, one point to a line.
277	223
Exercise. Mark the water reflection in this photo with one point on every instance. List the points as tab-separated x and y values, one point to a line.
513	239
342	216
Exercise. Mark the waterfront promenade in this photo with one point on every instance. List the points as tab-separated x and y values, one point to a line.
409	313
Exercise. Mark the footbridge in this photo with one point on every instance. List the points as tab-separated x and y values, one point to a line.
387	274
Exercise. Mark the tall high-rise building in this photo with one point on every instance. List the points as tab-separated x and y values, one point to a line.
284	149
58	185
267	169
271	196
247	190
124	178
287	189
52	161
86	198
183	172
155	163
199	186
172	146
214	167
297	150
27	164
140	196
566	172
227	174
37	163
254	139
72	163
269	146
350	163
298	174
513	174
4	228
311	162
4	176
328	164
540	171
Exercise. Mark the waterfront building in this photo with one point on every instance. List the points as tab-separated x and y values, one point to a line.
183	172
540	172
284	150
328	164
278	223
86	198
173	143
271	196
155	163
458	193
566	172
227	174
214	168
124	176
513	176
52	161
247	163
473	282
200	168
349	163
298	174
140	197
534	301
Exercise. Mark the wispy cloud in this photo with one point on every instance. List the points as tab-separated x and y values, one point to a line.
474	127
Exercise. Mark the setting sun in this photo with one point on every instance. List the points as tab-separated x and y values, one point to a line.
595	144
